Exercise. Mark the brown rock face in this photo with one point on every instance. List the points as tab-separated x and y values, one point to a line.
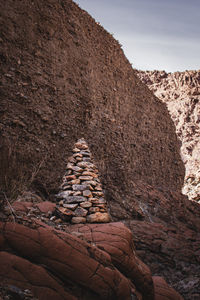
181	92
64	77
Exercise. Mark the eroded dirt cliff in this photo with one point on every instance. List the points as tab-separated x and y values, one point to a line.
181	92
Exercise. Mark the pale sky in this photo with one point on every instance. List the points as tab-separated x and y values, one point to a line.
155	34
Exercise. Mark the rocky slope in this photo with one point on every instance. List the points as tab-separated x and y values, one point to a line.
63	77
181	92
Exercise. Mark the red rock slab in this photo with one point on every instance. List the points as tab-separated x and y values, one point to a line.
117	240
22	206
46	206
67	258
163	291
24	274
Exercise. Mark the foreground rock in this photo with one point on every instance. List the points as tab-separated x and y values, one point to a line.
93	262
181	92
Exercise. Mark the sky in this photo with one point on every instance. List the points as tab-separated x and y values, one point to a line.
154	34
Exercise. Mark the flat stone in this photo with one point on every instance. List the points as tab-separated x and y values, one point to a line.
98	218
78	220
100	201
85	164
66	187
86	204
87	159
46	206
100	205
81	145
70	177
98	188
69	166
79	159
86	173
91	182
87	193
94	209
80	212
77	155
85	177
77	169
70	206
76	150
80	187
63	195
97	194
78	193
75	181
85	153
75	199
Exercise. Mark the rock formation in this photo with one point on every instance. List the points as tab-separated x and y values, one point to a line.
81	195
181	92
64	77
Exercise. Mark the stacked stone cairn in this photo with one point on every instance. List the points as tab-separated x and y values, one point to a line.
81	198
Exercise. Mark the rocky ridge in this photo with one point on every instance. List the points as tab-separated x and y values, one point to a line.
181	92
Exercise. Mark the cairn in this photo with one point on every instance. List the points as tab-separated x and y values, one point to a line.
81	198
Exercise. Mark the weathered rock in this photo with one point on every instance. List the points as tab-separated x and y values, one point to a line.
64	194
94	209
85	177
87	193
98	218
75	199
80	187
46	207
71	206
86	204
78	220
163	291
80	212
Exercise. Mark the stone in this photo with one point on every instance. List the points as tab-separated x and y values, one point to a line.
75	150
78	220
85	164
80	212
70	166
75	181
78	193
77	169
85	153
100	205
87	193
98	218
97	194
91	182
63	195
46	206
85	177
70	206
77	155
70	177
75	199
80	187
86	204
86	173
81	146
94	209
87	159
64	213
